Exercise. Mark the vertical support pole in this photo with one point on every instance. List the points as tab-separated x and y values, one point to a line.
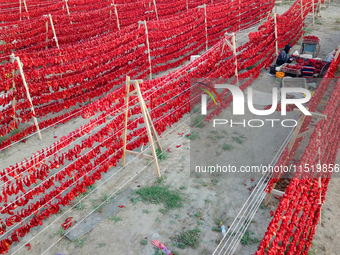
27	92
20	8
148	45
318	8
126	118
276	39
14	88
313	9
68	11
26	9
319	184
46	35
337	53
55	36
239	15
116	13
235	55
148	130
154	3
206	27
266	202
152	127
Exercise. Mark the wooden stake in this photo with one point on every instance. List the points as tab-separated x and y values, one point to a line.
319	184
313	14
206	25
26	8
14	88
20	9
276	39
337	53
46	35
318	8
151	131
55	36
235	54
266	202
27	92
141	100
148	45
68	11
116	13
154	3
126	117
239	15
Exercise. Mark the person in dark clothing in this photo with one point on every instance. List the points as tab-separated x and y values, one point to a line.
284	56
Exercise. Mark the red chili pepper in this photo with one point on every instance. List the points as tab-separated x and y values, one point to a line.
252	179
55	136
178	146
66	226
29	246
168	150
121	206
68	219
180	133
271	213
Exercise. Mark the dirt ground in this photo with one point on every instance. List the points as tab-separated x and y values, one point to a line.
206	200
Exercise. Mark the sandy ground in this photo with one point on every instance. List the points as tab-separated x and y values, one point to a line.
206	199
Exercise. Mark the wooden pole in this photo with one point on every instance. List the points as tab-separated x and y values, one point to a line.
187	5
152	127
266	202
26	9
206	25
20	9
337	53
313	14
319	152
235	55
318	8
276	39
126	118
148	45
14	88
46	35
151	131
55	36
239	14
148	130
27	92
154	3
116	13
68	11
